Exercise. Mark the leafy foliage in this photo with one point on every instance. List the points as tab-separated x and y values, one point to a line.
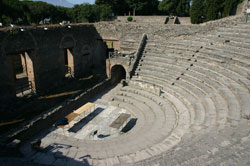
230	7
119	7
143	7
27	12
197	11
212	9
130	18
183	8
174	7
168	6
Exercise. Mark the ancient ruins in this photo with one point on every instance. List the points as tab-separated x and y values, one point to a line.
169	95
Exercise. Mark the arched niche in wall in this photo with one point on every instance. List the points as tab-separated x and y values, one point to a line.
20	51
67	45
85	53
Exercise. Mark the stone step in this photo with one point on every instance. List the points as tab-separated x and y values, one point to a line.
169	58
173	95
218	57
151	123
232	42
180	128
233	30
128	49
186	53
221	109
171	69
238	37
234	113
199	115
234	70
222	47
209	106
173	47
221	74
141	116
243	97
158	112
198	84
218	148
148	115
180	83
167	125
233	104
173	43
169	112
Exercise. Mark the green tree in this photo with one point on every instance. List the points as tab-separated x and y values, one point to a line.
213	9
119	7
59	14
168	7
229	7
84	13
12	12
183	8
143	7
196	11
39	11
103	12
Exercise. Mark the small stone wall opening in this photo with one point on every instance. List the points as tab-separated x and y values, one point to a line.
69	62
112	45
117	74
23	71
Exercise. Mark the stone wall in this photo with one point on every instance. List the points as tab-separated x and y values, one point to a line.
184	20
44	121
134	31
154	19
46	49
144	19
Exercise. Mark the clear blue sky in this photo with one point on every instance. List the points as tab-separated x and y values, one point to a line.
81	1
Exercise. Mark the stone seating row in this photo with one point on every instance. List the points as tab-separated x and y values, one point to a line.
242	95
163	104
214	90
199	116
217	147
134	96
201	56
223	48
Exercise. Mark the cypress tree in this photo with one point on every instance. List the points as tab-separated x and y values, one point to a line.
212	9
229	7
196	11
168	6
183	8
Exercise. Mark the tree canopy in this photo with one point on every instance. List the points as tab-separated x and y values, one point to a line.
30	12
206	10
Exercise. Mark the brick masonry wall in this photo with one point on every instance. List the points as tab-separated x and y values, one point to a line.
47	54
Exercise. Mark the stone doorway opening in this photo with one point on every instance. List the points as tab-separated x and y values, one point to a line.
23	71
69	62
117	74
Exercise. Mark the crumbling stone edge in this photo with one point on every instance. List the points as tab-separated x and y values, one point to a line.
138	55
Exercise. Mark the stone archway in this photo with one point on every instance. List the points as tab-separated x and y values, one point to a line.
118	73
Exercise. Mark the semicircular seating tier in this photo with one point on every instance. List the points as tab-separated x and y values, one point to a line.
191	96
